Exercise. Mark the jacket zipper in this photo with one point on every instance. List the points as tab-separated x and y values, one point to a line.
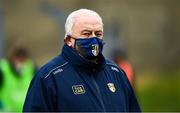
98	91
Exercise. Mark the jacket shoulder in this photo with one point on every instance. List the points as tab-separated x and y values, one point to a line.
111	64
50	67
121	74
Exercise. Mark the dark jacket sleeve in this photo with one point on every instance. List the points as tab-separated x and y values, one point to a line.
133	103
40	96
134	106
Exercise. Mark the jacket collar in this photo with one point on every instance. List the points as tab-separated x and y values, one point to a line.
74	58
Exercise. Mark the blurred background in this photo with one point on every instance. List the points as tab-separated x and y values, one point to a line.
145	33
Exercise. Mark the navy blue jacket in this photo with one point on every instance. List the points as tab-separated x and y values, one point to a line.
71	83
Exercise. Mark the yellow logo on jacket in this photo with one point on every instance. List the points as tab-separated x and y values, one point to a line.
111	87
78	89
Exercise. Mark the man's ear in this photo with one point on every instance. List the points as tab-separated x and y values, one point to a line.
68	41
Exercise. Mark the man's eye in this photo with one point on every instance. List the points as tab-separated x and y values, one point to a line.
86	34
98	34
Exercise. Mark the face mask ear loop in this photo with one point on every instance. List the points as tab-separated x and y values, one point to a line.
74	40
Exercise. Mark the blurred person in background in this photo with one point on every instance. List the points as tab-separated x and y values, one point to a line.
120	58
16	72
0	94
80	79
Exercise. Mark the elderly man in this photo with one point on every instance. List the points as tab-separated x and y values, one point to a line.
80	79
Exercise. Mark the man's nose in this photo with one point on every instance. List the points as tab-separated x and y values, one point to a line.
93	34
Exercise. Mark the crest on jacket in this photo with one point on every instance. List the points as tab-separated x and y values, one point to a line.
78	89
111	87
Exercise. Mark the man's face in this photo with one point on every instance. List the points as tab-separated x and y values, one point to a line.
86	27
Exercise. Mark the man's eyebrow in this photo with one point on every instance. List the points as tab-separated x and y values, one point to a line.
86	31
99	31
90	31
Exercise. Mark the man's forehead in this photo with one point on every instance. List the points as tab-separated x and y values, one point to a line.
88	23
87	19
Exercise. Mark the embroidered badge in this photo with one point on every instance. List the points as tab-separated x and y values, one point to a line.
111	87
95	49
78	89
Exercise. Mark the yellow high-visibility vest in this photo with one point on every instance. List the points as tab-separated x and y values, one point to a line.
14	89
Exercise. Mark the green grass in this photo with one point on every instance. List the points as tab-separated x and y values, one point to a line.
159	92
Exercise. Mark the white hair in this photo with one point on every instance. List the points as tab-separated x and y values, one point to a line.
72	16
